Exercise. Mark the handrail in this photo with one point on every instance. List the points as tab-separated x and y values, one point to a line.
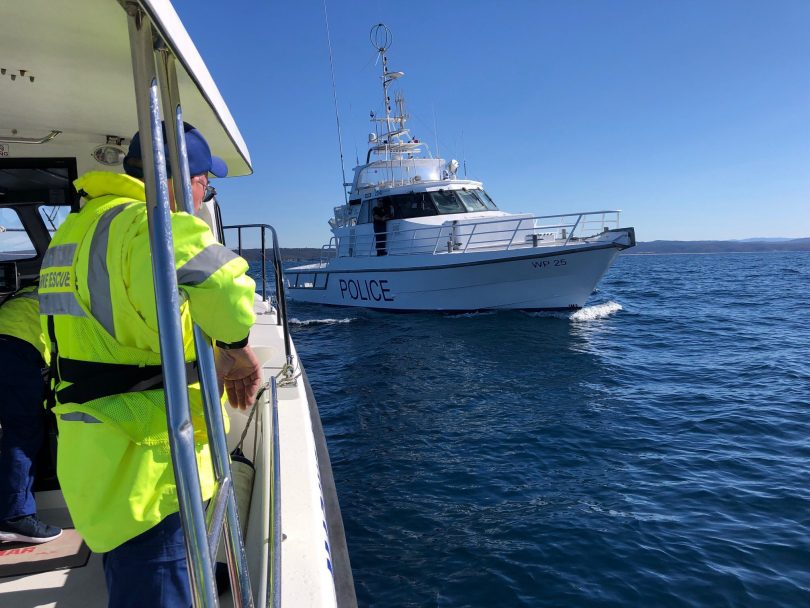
172	356
278	271
499	233
275	574
330	246
223	514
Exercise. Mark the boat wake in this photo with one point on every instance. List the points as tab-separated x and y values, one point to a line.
587	313
315	322
470	315
597	311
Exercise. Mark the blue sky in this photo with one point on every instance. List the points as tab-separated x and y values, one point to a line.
692	117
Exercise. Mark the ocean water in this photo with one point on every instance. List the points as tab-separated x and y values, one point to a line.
649	450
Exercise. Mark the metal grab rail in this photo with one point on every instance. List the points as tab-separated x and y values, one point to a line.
459	237
275	563
224	514
172	355
278	271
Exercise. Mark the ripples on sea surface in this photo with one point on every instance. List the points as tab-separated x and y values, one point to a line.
651	449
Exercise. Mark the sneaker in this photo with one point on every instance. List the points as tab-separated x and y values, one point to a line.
27	529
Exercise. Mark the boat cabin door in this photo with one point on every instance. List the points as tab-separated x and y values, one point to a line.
352	240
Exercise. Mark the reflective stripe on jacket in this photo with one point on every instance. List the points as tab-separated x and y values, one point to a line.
19	317
114	463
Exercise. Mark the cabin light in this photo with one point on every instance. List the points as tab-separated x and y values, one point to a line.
452	167
108	155
372	138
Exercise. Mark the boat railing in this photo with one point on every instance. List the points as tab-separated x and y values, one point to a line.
278	272
153	63
329	251
462	236
274	590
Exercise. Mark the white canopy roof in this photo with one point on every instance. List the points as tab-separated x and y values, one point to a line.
72	72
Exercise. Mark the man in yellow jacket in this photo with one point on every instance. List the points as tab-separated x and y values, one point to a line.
23	355
97	301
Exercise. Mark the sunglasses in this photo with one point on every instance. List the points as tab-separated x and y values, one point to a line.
210	192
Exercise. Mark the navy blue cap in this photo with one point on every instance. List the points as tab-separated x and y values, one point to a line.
200	159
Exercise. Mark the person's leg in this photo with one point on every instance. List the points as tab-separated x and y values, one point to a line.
150	569
22	419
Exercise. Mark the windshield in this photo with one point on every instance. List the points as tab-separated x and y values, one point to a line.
462	201
447	202
471	201
14	241
485	198
53	216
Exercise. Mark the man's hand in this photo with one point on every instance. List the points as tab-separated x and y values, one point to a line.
239	371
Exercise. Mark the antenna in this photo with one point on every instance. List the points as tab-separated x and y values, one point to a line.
337	112
436	132
381	39
463	154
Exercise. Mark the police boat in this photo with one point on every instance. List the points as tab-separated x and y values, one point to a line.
68	71
441	243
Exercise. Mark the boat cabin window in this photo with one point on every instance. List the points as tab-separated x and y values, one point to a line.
413	204
14	241
447	201
36	196
471	201
485	198
422	204
53	216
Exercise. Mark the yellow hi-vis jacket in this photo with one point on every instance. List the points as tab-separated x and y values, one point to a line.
19	317
97	291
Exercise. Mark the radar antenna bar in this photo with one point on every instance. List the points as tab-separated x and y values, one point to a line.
337	112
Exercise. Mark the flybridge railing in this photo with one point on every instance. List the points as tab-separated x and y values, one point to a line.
461	236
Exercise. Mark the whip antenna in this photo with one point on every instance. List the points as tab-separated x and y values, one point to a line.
334	96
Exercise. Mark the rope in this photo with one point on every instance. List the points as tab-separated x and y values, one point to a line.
259	394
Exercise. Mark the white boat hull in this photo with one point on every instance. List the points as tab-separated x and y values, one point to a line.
526	279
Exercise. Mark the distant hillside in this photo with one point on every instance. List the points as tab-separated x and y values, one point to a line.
747	245
288	254
299	254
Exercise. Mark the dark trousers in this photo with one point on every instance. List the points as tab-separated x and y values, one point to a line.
381	236
22	393
150	569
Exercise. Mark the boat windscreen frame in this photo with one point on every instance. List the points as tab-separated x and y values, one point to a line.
29	211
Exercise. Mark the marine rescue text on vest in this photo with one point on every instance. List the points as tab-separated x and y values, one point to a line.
58	278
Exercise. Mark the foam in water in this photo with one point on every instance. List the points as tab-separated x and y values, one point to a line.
469	315
311	322
597	311
588	313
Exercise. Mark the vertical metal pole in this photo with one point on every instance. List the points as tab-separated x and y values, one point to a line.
181	179
280	295
181	432
264	272
277	534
